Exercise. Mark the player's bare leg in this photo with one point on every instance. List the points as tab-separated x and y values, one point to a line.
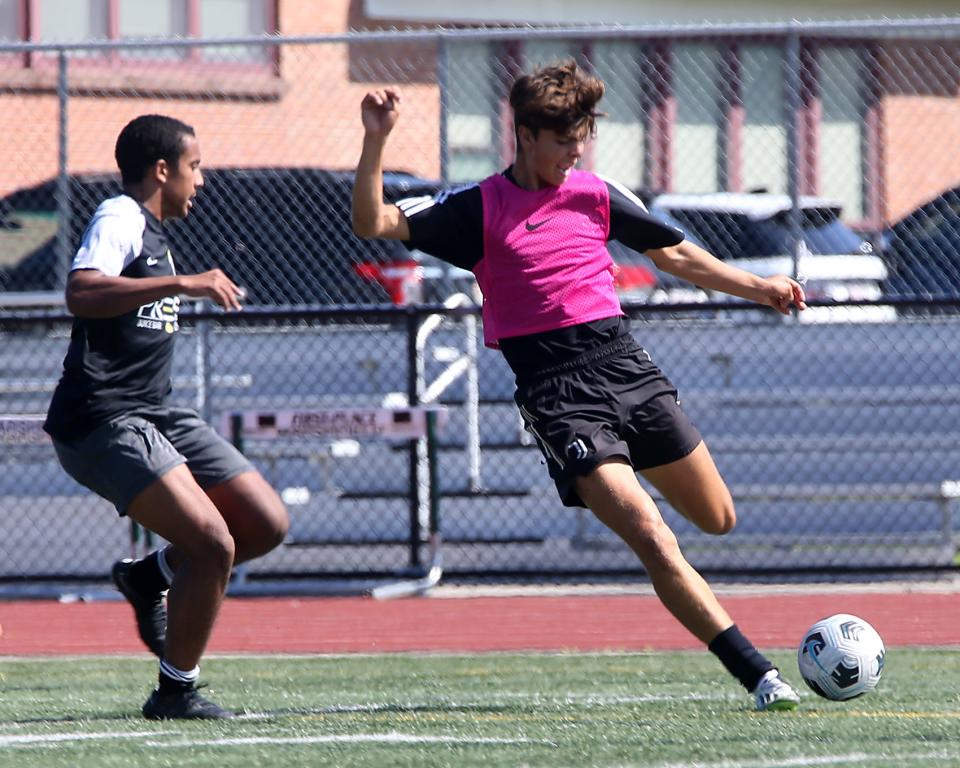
255	515
258	522
177	509
694	488
619	501
616	497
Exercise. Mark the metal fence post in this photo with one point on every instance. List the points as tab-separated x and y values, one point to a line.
204	401
473	405
793	113
443	84
415	376
63	177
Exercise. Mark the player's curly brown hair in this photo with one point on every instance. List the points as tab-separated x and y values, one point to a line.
559	97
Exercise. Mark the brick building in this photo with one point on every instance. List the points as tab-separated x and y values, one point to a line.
879	120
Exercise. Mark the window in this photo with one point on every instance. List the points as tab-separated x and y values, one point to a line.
474	128
9	19
763	145
840	160
471	128
754	134
539	53
158	18
235	18
690	116
242	71
619	148
696	141
70	21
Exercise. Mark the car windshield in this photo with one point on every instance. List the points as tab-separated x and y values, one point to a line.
922	249
823	233
941	220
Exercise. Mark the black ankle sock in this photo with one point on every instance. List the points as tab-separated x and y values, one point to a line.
147	576
740	657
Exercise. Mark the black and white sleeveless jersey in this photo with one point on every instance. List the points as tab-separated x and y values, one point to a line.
119	364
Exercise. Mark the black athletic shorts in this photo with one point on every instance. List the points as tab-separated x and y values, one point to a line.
609	401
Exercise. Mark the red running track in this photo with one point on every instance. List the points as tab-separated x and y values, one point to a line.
548	623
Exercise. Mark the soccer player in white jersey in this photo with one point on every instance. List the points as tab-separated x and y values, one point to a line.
115	432
601	411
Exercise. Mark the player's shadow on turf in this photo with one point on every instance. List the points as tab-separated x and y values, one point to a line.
85	718
34	688
349	709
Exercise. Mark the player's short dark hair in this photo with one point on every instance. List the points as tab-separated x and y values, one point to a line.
559	97
147	139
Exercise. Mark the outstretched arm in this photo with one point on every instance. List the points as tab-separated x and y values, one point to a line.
91	293
701	268
371	217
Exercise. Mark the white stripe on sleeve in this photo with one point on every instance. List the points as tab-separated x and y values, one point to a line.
411	206
622	190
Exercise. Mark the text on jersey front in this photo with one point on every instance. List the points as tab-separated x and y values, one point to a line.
161	315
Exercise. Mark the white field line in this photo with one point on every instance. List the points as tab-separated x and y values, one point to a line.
815	760
599	700
32	740
154	739
41	739
162	741
353	738
483	702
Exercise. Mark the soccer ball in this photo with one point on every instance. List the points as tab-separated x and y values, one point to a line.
841	657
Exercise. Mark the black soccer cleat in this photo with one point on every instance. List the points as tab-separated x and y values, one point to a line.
150	610
183	705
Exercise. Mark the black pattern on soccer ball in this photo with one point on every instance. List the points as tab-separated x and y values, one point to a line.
845	676
813	644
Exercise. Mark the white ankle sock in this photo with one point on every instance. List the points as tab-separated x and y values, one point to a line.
189	676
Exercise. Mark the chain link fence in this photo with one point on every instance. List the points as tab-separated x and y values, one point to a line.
825	151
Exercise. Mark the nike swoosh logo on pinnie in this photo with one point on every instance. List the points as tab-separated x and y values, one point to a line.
535	227
151	261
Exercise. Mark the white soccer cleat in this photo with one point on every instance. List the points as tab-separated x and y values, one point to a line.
773	693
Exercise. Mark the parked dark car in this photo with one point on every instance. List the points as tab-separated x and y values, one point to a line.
282	233
923	249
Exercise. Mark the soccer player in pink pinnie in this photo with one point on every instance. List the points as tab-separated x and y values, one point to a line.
535	238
